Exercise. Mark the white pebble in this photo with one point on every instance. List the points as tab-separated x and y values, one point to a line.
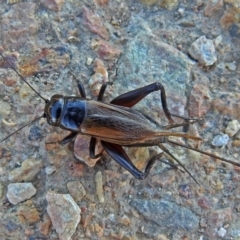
50	169
203	51
220	140
222	232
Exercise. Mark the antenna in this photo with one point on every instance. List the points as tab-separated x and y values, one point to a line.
13	68
29	123
45	100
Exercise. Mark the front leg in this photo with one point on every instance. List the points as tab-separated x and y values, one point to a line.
65	140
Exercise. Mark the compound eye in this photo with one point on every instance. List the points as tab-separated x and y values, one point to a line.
56	110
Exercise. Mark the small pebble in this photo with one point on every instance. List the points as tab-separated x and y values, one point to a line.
98	230
203	51
89	61
236	143
76	190
217	40
222	232
35	133
204	202
25	92
50	169
27	172
219	185
185	191
124	220
5	108
181	11
220	140
44	226
231	66
99	186
64	214
232	128
19	192
27	213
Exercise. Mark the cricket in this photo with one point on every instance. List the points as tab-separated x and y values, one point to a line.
115	124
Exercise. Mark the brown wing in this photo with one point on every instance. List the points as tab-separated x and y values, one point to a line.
115	124
123	126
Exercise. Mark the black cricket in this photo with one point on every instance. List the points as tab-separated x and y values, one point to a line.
115	124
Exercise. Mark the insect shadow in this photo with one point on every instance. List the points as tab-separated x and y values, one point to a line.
115	124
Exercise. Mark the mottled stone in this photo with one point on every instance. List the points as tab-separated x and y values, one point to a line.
232	128
57	158
199	99
44	226
212	6
220	140
10	82
76	169
46	60
28	213
64	214
230	18
204	203
50	169
105	50
146	60
203	51
26	93
164	179
35	133
185	191
22	25
19	192
228	104
4	153
99	186
98	78
10	57
236	143
169	4
124	220
54	5
101	2
86	219
76	190
163	214
81	150
5	108
148	2
95	24
95	83
98	230
27	172
216	219
139	157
